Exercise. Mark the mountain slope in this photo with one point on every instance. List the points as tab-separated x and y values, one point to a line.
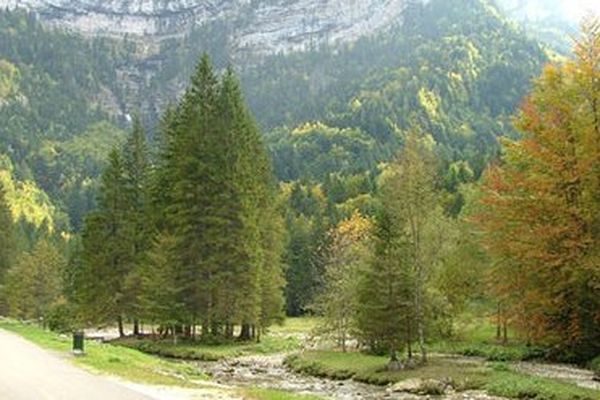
261	27
457	69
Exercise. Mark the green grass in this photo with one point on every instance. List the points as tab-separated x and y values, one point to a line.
519	386
283	338
495	378
271	394
186	350
476	337
371	369
126	363
295	326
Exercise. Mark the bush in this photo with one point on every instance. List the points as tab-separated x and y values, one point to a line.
504	353
60	318
595	365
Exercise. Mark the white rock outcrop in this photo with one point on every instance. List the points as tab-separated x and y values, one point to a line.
261	26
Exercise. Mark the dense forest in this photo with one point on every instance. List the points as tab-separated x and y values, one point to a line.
444	167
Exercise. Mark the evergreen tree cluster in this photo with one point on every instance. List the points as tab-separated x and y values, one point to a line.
191	237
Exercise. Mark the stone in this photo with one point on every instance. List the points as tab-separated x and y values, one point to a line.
264	27
407	386
420	386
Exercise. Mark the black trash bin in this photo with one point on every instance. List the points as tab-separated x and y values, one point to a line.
78	343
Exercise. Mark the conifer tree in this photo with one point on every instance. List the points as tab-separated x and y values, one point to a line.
159	292
197	203
385	292
107	254
221	196
136	175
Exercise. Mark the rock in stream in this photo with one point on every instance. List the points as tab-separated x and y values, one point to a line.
269	372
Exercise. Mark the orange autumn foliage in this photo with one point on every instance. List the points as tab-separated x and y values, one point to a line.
540	211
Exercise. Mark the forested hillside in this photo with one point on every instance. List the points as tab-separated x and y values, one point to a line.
424	191
331	116
440	69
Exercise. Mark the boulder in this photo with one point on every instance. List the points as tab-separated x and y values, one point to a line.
421	386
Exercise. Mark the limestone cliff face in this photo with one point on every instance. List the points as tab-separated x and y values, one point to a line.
261	26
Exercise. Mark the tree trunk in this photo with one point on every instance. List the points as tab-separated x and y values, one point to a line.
194	327
136	327
499	323
422	343
394	364
393	355
504	332
420	313
120	325
215	329
245	333
409	341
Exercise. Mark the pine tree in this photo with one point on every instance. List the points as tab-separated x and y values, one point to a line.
385	292
159	291
136	170
215	163
197	212
107	254
409	242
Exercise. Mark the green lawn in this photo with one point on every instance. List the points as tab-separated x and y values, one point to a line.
371	369
283	338
126	363
270	394
138	367
476	336
301	326
495	378
186	350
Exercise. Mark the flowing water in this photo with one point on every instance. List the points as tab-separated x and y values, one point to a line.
581	377
269	372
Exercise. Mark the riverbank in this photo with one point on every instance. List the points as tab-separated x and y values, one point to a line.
146	374
278	369
441	374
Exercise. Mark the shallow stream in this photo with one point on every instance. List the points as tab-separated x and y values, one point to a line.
269	372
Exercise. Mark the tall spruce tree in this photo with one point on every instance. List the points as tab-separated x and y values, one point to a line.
220	199
136	169
107	254
386	289
195	212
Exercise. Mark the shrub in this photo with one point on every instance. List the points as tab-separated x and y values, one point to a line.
60	318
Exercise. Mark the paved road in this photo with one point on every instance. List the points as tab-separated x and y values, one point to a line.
29	373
